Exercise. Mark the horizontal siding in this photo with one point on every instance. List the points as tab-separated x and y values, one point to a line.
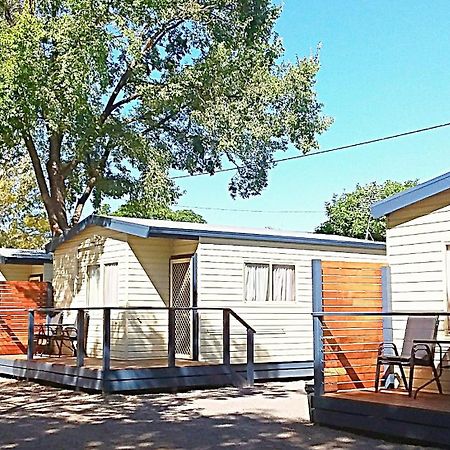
416	255
283	330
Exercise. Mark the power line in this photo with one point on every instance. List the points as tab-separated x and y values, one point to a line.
329	150
293	211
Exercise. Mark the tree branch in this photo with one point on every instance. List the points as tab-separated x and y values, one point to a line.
125	101
111	105
38	171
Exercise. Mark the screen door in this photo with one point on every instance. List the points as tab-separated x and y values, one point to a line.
181	297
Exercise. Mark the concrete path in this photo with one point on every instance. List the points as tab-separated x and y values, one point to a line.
269	416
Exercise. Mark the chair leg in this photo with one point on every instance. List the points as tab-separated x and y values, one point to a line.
402	373
377	376
436	377
411	379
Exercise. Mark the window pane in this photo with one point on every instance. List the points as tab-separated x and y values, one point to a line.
93	286
283	283
111	285
256	282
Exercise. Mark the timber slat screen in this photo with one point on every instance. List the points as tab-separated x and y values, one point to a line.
15	298
350	343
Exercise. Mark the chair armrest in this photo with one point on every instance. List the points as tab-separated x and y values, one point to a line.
419	345
386	345
70	331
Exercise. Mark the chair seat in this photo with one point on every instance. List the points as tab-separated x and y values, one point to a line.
394	358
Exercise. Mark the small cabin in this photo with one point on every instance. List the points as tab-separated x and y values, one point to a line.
263	275
418	253
418	245
25	265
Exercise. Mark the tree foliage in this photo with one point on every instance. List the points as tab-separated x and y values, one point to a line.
348	214
22	218
96	92
154	200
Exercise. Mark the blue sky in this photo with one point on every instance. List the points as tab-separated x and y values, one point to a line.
384	69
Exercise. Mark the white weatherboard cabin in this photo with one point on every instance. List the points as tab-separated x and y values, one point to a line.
25	265
418	250
418	245
262	274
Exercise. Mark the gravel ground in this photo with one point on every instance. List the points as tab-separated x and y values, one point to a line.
268	416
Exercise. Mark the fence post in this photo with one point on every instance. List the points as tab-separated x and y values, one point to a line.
171	339
80	338
226	336
106	366
317	327
30	348
250	357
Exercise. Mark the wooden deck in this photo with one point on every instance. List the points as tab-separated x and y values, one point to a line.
143	375
425	419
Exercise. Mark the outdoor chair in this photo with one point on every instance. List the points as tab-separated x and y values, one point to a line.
414	352
69	336
47	333
55	333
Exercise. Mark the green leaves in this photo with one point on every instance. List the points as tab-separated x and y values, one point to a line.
22	219
349	213
118	83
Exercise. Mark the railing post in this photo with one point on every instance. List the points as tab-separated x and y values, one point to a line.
226	337
106	366
30	348
388	332
80	338
318	328
171	338
250	357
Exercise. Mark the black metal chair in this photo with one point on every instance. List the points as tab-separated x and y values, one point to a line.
414	352
69	336
47	334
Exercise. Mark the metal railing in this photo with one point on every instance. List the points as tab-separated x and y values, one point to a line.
227	314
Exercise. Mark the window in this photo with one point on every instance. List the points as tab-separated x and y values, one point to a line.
256	281
283	283
93	286
269	282
111	284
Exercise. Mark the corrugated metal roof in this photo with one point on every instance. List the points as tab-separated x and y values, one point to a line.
185	230
411	196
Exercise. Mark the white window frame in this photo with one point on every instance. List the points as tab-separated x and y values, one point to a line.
100	302
270	300
88	301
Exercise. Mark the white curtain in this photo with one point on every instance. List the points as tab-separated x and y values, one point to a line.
283	283
93	291
256	282
111	285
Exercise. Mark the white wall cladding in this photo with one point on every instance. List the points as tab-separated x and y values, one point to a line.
284	330
416	254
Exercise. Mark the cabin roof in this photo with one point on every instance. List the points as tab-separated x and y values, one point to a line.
24	256
412	195
147	228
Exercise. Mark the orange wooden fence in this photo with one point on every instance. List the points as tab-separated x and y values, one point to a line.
19	295
350	343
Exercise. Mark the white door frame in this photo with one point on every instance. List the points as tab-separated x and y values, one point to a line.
184	260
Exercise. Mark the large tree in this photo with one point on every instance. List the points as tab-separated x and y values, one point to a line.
348	214
95	91
22	218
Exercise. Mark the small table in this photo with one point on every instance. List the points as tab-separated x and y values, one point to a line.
439	343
